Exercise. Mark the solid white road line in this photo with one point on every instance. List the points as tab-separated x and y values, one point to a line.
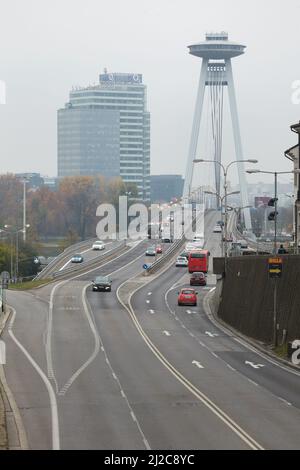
16	412
216	410
53	402
82	253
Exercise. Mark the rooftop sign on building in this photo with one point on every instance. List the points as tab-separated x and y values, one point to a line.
121	78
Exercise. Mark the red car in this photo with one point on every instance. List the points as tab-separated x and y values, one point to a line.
198	279
187	297
159	250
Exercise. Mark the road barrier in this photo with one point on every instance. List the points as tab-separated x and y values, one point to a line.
63	257
176	246
89	265
166	257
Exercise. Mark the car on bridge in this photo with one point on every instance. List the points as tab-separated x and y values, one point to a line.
77	259
198	279
187	297
167	240
98	246
151	252
102	284
182	262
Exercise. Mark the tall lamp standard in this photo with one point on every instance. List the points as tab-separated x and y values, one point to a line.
225	174
275	173
225	170
222	199
24	181
11	231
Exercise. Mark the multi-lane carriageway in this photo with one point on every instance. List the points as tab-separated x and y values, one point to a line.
88	373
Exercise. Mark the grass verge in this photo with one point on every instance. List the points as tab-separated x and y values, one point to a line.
282	351
29	285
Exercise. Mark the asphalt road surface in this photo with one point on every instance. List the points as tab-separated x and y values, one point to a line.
88	374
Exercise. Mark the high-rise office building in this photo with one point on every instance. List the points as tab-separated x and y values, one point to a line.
105	129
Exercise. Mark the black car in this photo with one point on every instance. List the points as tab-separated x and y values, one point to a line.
198	279
101	284
167	240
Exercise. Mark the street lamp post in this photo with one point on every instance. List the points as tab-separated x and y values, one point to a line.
275	173
24	181
222	199
225	173
12	232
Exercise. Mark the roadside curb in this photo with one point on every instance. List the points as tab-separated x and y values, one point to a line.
250	342
3	423
4	319
9	411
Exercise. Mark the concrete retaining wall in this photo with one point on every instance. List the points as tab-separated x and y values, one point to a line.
247	297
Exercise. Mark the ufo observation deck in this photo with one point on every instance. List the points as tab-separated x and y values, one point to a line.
217	47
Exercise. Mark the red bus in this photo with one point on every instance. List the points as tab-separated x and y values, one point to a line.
199	261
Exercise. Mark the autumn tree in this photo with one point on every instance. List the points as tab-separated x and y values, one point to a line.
80	196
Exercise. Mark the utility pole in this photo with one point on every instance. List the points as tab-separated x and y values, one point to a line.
226	221
11	256
276	213
275	340
24	211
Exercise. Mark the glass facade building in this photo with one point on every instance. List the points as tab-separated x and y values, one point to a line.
106	129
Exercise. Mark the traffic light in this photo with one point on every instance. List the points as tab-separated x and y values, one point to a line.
272	216
272	202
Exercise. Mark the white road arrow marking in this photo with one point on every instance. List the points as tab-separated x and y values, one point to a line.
150	293
2	353
211	335
197	364
255	366
189	312
151	312
166	333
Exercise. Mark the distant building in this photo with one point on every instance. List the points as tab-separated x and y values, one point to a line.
34	180
51	183
105	129
164	188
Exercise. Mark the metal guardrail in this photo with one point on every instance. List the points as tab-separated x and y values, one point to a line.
94	263
166	257
63	257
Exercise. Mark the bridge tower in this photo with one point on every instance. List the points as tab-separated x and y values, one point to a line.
216	74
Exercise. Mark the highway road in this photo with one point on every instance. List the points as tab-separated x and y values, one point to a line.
88	374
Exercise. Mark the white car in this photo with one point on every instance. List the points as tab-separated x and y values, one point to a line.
182	262
218	229
98	246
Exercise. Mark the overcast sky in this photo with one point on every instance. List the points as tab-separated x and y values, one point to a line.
46	47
